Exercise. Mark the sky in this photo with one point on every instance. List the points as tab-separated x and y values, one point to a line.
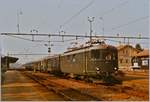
123	17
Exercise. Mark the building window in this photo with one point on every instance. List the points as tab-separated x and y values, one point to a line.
126	61
120	60
126	51
123	51
145	62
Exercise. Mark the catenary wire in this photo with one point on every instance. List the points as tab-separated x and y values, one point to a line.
130	22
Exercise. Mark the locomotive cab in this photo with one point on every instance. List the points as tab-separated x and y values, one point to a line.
104	60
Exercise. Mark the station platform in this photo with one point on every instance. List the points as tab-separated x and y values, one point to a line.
17	87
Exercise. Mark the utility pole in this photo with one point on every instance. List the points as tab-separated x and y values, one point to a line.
128	42
33	30
91	19
119	41
101	18
18	20
124	41
7	61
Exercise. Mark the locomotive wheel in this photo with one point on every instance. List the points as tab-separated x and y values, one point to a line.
88	79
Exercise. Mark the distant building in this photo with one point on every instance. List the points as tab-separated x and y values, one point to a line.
141	60
5	61
125	54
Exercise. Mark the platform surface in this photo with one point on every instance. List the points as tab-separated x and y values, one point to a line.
18	87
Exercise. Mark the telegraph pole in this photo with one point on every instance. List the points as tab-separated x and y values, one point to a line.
90	21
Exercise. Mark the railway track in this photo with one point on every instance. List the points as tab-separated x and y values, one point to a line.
68	94
69	89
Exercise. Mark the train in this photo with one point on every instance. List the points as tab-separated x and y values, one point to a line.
95	60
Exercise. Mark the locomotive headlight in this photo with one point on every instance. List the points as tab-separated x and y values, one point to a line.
115	68
97	68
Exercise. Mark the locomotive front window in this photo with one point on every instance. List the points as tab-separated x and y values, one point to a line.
109	56
114	56
103	54
95	54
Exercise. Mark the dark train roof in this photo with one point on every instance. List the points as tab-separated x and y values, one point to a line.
42	59
88	48
52	56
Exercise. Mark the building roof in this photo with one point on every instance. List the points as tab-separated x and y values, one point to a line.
123	46
144	53
8	58
120	47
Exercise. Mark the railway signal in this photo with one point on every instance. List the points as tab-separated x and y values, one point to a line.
49	50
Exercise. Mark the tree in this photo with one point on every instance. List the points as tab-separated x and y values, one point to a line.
138	46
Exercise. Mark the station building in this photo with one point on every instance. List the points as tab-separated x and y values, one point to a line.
141	60
125	54
5	61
